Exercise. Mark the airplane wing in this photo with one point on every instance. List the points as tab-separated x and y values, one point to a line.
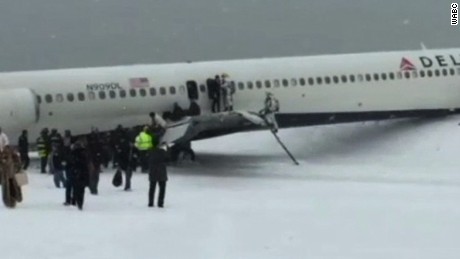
212	125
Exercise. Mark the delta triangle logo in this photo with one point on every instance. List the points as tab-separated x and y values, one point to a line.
406	65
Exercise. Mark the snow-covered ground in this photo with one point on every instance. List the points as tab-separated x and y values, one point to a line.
387	190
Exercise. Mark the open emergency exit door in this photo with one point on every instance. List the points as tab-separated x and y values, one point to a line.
192	90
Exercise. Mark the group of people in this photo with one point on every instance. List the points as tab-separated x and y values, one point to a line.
221	90
76	163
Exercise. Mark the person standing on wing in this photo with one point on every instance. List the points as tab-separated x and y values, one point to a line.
229	91
271	106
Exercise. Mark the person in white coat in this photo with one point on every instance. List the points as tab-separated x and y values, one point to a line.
271	106
228	90
4	141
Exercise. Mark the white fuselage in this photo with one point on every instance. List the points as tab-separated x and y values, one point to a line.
309	91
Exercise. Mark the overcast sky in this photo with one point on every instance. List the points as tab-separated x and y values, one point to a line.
50	34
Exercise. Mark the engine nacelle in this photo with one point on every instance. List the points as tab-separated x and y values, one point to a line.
18	109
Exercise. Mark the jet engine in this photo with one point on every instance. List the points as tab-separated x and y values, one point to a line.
18	109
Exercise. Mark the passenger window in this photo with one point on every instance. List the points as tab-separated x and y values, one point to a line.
376	77
181	90
49	98
368	77
241	85
311	81
327	80
112	94
250	85
39	99
153	91
268	84
122	93
101	95
437	73
452	71
302	81
258	84
70	97
429	73
132	92
172	89
444	72
203	87
81	96
91	96
293	82
162	90
59	98
360	78
142	92
407	74
352	78
319	80
383	76
285	83
276	83
422	73
344	79
335	79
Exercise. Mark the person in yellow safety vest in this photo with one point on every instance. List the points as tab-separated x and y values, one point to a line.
144	143
42	152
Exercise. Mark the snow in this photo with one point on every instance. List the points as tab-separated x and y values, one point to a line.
366	190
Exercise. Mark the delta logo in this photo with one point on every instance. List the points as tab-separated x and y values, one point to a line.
430	61
406	65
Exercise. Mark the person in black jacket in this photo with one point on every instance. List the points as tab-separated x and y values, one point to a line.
158	174
78	178
125	160
55	139
23	148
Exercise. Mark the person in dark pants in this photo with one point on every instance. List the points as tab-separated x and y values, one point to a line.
125	162
217	94
78	178
42	151
115	137
56	164
95	148
158	174
23	148
69	176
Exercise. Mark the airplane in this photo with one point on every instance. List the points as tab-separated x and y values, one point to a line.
311	90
